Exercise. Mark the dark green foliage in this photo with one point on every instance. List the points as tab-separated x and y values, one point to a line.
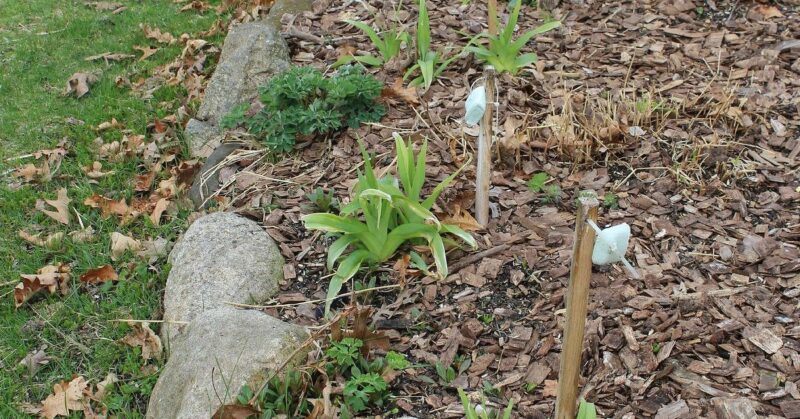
303	101
283	395
322	201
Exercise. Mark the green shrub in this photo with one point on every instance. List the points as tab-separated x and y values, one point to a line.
303	101
382	217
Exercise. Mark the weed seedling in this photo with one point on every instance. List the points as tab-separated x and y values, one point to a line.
611	200
325	202
536	184
480	411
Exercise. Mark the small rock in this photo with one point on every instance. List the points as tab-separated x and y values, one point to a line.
222	350
221	258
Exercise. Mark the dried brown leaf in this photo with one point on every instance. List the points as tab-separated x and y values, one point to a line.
159	36
396	90
143	337
94	171
121	243
99	275
61	204
79	83
147	52
52	241
108	206
66	397
49	278
108	56
159	209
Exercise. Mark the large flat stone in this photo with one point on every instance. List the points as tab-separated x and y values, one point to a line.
221	258
251	54
223	349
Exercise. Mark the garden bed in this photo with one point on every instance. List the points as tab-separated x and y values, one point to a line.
681	116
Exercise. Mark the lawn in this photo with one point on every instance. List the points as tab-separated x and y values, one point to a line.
42	43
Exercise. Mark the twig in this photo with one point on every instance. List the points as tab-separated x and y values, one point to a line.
148	321
322	300
469	260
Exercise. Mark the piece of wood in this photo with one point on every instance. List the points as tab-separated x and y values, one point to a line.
484	163
763	338
577	299
738	408
675	410
791	409
492	17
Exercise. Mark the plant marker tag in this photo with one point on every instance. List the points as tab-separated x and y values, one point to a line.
611	244
476	105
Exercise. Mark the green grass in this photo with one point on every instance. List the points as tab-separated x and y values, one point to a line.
42	43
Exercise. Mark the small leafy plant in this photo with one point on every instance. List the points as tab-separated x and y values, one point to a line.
301	101
382	217
536	184
611	200
283	395
430	63
325	202
388	45
505	53
480	411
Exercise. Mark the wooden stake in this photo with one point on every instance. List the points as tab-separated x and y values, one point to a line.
577	299
493	17
484	163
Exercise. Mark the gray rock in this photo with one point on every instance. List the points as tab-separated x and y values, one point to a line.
206	181
223	349
251	54
221	258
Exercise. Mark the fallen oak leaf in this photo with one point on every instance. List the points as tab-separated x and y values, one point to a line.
767	11
113	123
152	250
159	209
83	236
50	278
108	206
396	90
94	171
66	396
142	336
34	360
79	84
32	173
121	243
157	35
197	5
61	203
52	241
102	387
463	219
99	275
146	51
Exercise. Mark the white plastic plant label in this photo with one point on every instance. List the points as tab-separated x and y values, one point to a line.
611	244
476	105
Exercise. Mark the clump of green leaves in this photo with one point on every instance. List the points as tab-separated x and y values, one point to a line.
303	101
383	215
611	200
388	44
538	183
480	411
325	202
283	395
430	63
503	51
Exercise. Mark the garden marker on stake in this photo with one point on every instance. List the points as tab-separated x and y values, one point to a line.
479	110
611	244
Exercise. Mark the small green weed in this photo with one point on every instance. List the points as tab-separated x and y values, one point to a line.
388	45
325	202
283	395
303	101
480	411
505	53
611	200
536	184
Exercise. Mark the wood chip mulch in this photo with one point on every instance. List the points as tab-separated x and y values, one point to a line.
686	111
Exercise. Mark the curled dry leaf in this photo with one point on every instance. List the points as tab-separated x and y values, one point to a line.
396	90
159	209
107	56
50	278
462	218
108	206
83	236
121	243
61	203
196	5
34	360
100	275
235	411
102	387
94	171
146	51
32	173
79	83
151	250
112	124
157	35
52	241
143	337
67	396
766	11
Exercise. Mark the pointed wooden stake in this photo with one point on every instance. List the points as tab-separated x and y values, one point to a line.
484	163
577	299
493	17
